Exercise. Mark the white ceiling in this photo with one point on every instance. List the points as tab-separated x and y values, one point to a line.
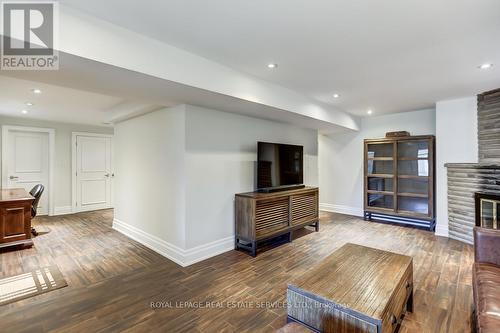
54	103
388	55
63	104
90	92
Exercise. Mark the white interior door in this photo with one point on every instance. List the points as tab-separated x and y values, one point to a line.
93	172
28	163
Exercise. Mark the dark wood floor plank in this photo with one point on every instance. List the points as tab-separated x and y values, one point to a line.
113	280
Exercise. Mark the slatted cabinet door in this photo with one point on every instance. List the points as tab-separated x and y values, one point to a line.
304	207
271	216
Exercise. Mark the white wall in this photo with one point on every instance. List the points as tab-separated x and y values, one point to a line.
62	169
221	151
149	176
456	142
341	157
177	171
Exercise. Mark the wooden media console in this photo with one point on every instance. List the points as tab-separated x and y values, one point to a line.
262	216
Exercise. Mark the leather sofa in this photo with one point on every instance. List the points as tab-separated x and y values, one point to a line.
486	280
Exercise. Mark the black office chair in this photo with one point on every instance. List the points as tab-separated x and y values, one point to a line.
35	192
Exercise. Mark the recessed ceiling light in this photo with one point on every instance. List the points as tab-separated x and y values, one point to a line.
29	104
370	111
272	65
24	111
36	91
485	66
336	95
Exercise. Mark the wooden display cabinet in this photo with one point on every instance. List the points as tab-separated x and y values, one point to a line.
399	181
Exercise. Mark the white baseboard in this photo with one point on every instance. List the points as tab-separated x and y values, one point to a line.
441	231
205	251
63	210
341	209
173	252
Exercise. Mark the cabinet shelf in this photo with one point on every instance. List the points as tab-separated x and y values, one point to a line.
413	177
414	195
413	158
380	158
407	194
380	192
413	214
379	175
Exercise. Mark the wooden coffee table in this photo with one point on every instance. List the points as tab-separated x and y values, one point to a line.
355	289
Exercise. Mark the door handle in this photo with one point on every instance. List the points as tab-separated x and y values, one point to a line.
106	175
13	177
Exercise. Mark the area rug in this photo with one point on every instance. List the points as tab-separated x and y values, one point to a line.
36	282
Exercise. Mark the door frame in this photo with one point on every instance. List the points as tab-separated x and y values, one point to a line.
51	132
74	208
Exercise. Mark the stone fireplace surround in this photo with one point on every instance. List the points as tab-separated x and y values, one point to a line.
465	179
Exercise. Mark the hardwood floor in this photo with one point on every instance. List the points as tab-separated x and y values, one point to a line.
113	280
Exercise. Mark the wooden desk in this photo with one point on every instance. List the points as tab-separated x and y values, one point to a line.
15	217
355	289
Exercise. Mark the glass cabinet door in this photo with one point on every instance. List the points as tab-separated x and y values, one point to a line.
413	186
380	200
413	158
376	150
413	176
417	168
380	158
380	184
413	149
413	204
376	167
380	175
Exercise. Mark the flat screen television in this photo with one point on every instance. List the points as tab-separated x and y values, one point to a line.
279	166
